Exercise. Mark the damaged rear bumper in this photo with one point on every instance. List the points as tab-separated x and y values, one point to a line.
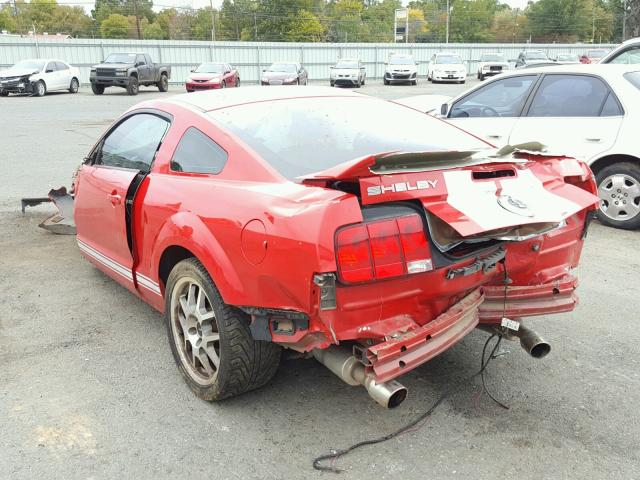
408	350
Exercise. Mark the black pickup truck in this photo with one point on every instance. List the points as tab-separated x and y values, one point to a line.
129	70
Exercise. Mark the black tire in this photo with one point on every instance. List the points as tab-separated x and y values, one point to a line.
39	89
97	89
4	94
223	84
74	86
163	84
244	363
385	81
132	87
414	82
609	195
332	84
481	77
237	82
358	84
363	80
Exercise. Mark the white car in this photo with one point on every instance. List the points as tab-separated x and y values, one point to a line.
627	53
491	64
349	72
38	77
447	67
591	112
400	68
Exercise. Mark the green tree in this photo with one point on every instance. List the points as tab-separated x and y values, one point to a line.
6	19
104	8
417	25
153	31
306	28
559	20
116	26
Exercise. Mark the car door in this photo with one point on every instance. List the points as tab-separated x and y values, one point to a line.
143	69
572	114
51	77
491	111
106	188
65	74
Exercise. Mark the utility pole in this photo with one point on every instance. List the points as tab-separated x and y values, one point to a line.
624	20
255	27
446	38
593	23
135	10
213	22
515	24
15	8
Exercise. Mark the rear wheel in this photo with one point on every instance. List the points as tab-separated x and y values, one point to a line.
4	94
132	87
97	89
39	89
163	84
619	191
75	85
211	341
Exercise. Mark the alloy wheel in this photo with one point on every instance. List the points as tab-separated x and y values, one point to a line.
195	330
620	197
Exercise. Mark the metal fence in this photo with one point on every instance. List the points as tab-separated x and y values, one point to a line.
252	57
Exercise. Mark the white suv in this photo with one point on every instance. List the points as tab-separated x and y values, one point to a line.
400	68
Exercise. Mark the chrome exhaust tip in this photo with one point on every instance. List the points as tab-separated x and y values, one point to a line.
341	362
532	343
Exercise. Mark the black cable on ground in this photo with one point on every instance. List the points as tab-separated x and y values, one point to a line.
319	462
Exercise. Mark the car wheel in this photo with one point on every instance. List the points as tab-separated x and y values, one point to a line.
358	84
619	192
385	81
223	84
4	94
39	89
97	89
75	85
481	77
237	82
414	82
363	80
332	84
210	341
132	88
163	84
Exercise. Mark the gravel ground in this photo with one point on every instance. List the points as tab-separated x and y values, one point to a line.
89	388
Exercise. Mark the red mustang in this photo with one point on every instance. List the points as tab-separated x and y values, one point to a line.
362	231
208	76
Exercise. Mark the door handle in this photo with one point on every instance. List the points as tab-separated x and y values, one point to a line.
115	199
594	140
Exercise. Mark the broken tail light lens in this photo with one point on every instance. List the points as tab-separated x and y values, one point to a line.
382	249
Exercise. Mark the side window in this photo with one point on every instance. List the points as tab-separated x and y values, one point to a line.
133	144
62	66
197	153
51	67
502	98
611	108
140	60
631	56
569	96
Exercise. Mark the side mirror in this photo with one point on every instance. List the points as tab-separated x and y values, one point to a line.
192	70
264	70
331	68
227	71
444	108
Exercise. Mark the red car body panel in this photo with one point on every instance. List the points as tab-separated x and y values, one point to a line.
267	257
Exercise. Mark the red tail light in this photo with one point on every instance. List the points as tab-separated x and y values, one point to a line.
382	249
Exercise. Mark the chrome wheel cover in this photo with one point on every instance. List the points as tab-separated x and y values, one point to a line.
619	197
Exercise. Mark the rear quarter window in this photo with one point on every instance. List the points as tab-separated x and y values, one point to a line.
633	78
197	153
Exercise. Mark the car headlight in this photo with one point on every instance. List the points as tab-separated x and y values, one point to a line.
264	79
121	73
93	70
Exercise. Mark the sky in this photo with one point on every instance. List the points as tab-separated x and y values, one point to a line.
159	4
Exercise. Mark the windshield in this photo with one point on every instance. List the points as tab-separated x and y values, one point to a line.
210	68
346	64
536	56
30	65
282	67
567	57
596	53
401	61
305	135
448	59
121	58
492	57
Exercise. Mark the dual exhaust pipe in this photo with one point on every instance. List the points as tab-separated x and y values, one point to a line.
391	394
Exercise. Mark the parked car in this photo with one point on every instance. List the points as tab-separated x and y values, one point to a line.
39	76
531	57
400	69
129	71
593	56
590	112
212	75
567	58
284	73
274	219
349	72
491	64
447	67
627	53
